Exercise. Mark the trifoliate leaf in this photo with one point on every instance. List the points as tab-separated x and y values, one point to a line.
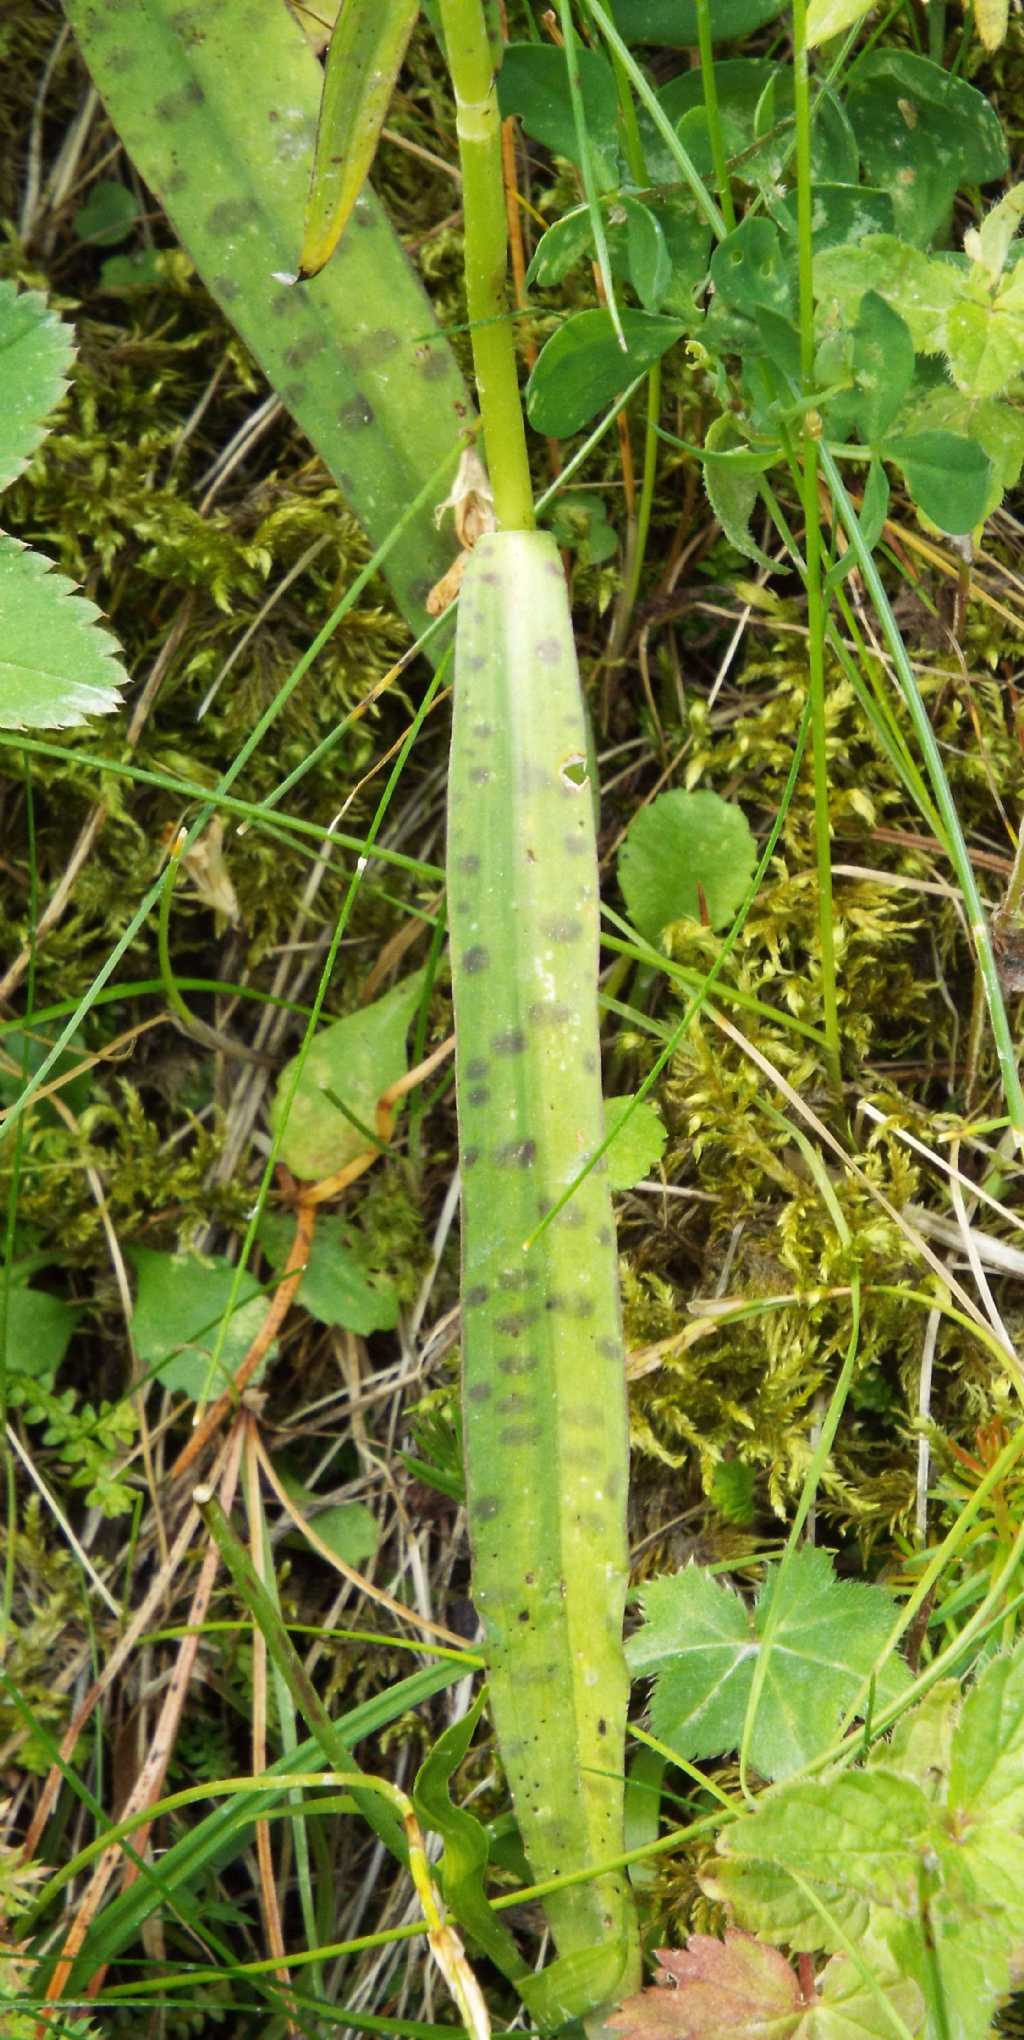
684	850
36	351
57	665
639	1140
354	1062
180	1301
337	1287
702	1643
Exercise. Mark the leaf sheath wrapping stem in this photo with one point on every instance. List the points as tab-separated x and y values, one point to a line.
543	1376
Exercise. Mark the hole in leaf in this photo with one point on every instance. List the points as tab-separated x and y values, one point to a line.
573	771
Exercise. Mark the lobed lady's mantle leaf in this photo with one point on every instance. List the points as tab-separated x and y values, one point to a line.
639	1143
739	1989
713	1989
356	1060
702	1644
36	350
57	665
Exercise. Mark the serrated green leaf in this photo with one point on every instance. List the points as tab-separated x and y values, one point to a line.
765	1899
532	84
357	1058
921	1743
739	1989
948	476
864	1830
582	368
985	345
987	1761
179	1302
923	291
682	850
58	666
639	1140
702	1643
36	351
39	1328
998	229
337	1287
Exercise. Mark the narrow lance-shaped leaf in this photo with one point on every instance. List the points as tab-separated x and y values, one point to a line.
220	122
543	1375
363	62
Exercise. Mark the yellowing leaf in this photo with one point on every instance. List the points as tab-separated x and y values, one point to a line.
829	17
350	1065
991	19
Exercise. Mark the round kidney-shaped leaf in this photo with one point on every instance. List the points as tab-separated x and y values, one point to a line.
687	854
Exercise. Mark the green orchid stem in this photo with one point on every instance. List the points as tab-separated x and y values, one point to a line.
471	66
1006	1053
816	605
